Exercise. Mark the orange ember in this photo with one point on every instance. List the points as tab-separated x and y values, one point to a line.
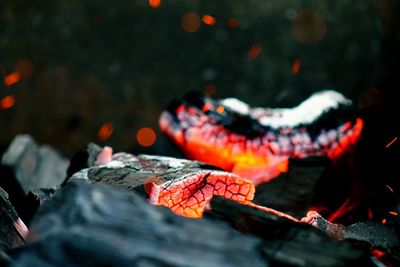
146	137
7	102
254	51
393	213
232	23
209	20
12	78
220	109
154	3
296	66
105	131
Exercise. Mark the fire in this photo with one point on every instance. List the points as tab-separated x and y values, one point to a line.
154	3
7	102
254	51
209	20
105	131
296	66
12	78
146	137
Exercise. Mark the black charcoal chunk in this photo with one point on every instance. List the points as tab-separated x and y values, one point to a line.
85	158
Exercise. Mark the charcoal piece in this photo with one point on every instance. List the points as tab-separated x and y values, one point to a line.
286	242
34	166
96	225
294	192
83	159
184	186
12	229
377	235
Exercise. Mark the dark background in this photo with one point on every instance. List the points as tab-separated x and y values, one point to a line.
81	64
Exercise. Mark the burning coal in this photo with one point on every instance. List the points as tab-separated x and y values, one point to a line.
256	143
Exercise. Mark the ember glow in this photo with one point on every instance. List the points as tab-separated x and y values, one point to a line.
209	20
154	3
254	51
12	78
296	66
7	102
105	131
146	136
256	143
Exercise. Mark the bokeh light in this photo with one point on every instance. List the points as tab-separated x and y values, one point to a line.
308	27
146	136
232	23
154	3
190	22
12	78
209	20
7	102
105	131
254	51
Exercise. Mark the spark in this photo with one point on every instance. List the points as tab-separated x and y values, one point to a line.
390	189
384	221
12	78
391	142
232	23
146	136
154	3
209	20
393	213
105	131
220	109
296	66
7	102
254	51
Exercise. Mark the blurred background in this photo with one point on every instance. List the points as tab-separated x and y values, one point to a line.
76	71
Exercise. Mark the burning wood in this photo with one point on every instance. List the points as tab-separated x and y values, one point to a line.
256	143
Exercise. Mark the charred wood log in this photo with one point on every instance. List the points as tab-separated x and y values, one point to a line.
184	186
286	242
12	229
96	225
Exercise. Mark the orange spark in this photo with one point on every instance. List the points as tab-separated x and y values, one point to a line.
232	23
220	109
391	142
105	131
190	22
154	3
393	213
384	221
209	20
296	66
146	137
390	189
12	78
7	102
254	51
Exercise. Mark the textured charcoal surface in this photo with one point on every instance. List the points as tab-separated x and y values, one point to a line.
10	236
286	242
84	158
95	225
34	166
294	192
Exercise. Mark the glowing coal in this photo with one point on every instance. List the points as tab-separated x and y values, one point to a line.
256	143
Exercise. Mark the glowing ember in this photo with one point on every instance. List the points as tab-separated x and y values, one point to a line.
256	143
254	51
190	22
296	66
393	213
233	23
12	78
391	142
154	3
146	137
209	20
105	131
7	102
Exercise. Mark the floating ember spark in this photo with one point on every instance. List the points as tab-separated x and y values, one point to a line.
389	188
393	213
256	143
154	3
391	142
105	131
296	66
209	20
254	51
384	221
233	23
190	22
7	102
146	137
12	78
